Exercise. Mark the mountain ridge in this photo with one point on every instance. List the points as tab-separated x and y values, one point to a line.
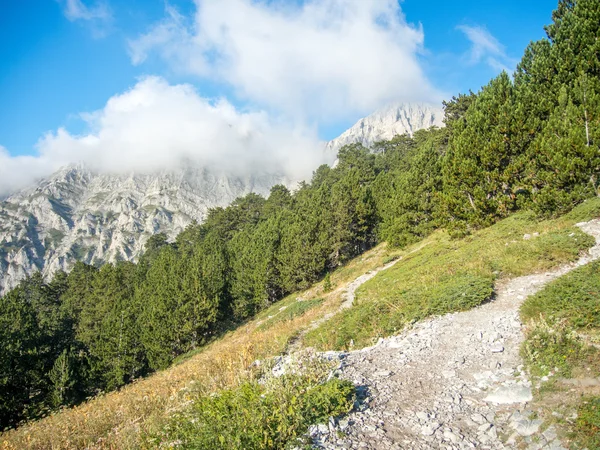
79	215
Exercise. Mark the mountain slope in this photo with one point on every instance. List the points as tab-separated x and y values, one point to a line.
439	362
128	417
384	124
79	215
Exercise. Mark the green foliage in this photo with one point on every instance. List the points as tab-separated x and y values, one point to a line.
566	165
441	275
33	333
255	278
367	321
481	172
553	349
562	319
528	144
153	245
255	416
327	287
570	303
109	330
176	309
588	422
61	377
405	190
456	109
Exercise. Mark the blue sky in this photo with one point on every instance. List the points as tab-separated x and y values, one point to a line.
62	58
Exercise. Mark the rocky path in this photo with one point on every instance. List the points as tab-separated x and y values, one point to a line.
451	382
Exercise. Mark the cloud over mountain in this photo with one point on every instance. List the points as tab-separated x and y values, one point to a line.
156	126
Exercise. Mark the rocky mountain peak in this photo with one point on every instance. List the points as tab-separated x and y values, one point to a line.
392	120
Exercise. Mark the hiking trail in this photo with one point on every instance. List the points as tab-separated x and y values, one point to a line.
452	382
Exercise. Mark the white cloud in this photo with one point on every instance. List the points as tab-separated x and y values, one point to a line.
309	63
321	60
97	16
156	126
486	48
19	171
77	10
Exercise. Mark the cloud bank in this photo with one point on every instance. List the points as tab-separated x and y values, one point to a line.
321	60
157	126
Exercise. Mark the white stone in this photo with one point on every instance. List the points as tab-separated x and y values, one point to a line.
510	394
497	348
526	427
430	429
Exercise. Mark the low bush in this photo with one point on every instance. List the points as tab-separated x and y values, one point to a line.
588	423
256	416
574	298
559	317
553	349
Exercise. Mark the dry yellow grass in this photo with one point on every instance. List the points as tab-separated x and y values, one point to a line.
122	419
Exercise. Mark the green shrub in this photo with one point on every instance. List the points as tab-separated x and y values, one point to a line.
588	423
552	348
252	416
567	306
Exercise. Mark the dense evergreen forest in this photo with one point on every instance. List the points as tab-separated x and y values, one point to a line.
528	141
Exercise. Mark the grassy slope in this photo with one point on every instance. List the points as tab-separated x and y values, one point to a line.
563	320
275	414
430	279
440	275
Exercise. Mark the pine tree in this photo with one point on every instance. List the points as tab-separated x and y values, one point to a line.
61	377
565	163
482	168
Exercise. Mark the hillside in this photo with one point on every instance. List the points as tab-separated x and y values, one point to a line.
413	257
139	412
